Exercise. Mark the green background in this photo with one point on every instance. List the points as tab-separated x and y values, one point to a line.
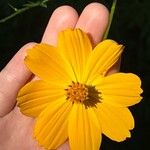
131	27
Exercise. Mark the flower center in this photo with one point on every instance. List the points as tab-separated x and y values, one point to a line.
88	95
77	92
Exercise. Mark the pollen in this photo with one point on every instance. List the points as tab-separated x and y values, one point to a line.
77	92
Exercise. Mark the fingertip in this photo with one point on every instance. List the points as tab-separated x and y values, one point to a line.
63	17
98	7
65	14
94	21
66	10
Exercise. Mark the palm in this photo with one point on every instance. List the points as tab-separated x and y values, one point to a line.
15	128
16	132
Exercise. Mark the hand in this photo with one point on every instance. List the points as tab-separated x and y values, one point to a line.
15	128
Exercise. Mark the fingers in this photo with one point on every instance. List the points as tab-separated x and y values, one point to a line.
62	18
15	74
12	78
94	20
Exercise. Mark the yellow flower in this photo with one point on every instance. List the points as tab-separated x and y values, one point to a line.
74	99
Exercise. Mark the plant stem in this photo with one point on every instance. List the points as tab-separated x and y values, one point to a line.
27	7
113	7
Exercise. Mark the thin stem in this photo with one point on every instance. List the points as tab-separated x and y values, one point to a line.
45	1
25	8
19	11
113	7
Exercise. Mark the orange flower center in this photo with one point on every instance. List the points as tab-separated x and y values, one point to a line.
77	92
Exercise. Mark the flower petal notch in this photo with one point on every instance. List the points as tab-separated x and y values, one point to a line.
73	99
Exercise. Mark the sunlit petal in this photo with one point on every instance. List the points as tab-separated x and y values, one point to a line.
104	55
36	95
115	122
75	47
120	89
84	129
51	126
45	62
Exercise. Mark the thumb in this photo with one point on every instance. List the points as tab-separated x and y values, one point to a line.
12	78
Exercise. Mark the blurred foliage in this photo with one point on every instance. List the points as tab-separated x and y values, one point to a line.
131	27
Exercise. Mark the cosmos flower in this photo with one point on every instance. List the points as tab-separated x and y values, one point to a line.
74	99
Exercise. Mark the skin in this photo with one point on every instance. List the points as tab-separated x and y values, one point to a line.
15	128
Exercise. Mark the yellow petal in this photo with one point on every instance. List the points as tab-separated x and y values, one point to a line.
75	46
51	126
45	62
104	56
115	122
84	129
120	89
36	95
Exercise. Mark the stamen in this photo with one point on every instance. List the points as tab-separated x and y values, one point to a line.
77	92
